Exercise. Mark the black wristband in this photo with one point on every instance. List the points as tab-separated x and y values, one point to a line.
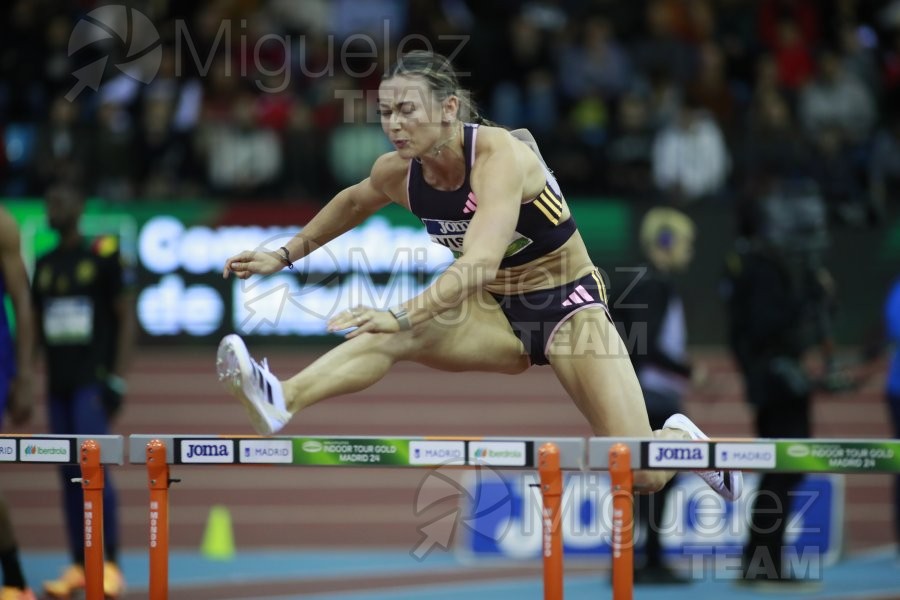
286	259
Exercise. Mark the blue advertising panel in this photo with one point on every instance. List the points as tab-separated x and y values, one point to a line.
502	518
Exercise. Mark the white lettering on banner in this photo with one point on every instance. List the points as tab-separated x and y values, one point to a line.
688	454
337	447
359	458
207	451
275	305
7	450
166	245
500	454
266	451
37	450
745	456
170	307
435	452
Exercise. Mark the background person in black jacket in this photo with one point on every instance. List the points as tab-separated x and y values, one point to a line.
651	316
778	296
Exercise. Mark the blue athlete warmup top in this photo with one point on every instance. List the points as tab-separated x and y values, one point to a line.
446	215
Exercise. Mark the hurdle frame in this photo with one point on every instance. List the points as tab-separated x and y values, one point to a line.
90	453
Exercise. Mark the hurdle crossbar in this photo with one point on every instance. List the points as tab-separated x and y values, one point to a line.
781	455
548	455
91	453
361	451
784	455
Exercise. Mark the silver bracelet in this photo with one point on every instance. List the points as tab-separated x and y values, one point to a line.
402	317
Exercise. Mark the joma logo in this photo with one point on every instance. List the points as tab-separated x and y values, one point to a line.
670	453
195	450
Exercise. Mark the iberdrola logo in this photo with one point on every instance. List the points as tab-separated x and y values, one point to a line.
35	450
130	38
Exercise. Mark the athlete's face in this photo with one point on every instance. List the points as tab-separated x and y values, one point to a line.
411	116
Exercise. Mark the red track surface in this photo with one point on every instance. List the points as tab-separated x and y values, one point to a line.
176	392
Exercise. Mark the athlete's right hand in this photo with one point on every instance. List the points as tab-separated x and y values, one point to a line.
252	262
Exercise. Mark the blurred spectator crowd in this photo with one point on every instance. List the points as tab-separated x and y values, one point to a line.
660	100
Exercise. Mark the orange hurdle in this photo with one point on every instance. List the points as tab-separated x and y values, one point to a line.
622	522
158	481
551	517
92	484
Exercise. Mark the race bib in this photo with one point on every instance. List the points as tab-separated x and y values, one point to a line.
69	321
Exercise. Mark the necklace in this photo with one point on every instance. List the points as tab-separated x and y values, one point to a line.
436	150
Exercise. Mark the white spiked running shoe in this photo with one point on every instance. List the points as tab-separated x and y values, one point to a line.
728	484
253	384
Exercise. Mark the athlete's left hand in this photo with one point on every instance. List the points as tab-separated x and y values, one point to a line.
363	319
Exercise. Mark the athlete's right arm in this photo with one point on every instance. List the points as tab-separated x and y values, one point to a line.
350	207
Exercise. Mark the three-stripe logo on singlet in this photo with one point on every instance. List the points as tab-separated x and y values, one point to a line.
550	204
581	295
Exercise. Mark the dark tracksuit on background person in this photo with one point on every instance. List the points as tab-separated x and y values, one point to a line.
773	300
